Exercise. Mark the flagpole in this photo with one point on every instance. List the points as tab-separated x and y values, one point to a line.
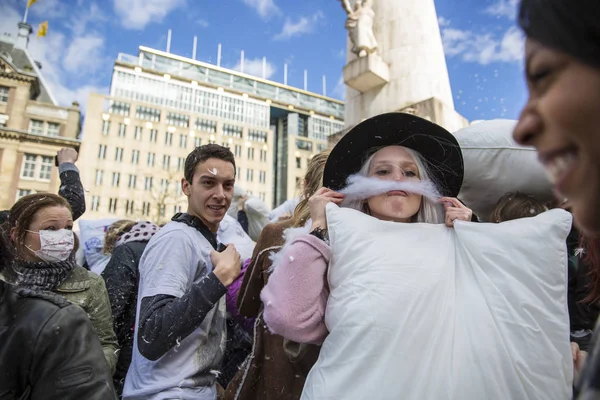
26	12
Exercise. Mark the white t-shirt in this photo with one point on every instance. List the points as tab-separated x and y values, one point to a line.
174	259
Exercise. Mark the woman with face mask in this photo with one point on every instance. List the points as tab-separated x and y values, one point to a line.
40	231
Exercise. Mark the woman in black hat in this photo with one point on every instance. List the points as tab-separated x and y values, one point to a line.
561	117
390	146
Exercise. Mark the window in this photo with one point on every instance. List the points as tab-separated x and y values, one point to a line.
249	175
262	196
298	162
250	153
153	135
257	136
262	177
176	209
238	151
168	138
132	181
238	172
129	207
4	94
122	130
148	114
119	108
119	154
138	133
105	127
263	155
180	163
197	142
28	169
53	129
148	183
46	168
151	159
162	210
303	145
99	176
206	125
95	203
321	147
112	205
102	152
146	208
135	157
23	192
116	179
183	141
164	185
180	120
166	162
36	127
233	130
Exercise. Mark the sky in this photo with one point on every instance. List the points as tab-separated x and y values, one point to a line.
483	46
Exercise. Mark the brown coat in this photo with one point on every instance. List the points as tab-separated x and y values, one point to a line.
277	368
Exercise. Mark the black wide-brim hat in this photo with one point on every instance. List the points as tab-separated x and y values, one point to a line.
438	147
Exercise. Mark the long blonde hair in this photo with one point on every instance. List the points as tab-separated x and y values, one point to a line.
114	232
429	212
313	180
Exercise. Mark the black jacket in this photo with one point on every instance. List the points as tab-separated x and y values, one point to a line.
48	349
122	279
72	189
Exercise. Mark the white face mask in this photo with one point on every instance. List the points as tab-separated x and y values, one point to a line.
55	245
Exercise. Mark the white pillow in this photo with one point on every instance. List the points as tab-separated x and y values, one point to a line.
91	237
230	231
495	165
422	311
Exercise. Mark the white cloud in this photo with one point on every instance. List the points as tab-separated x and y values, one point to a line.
136	14
484	48
79	22
254	66
60	56
300	27
203	23
83	54
339	91
443	22
48	9
264	8
503	8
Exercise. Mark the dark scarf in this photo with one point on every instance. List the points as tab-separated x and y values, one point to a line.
41	275
570	26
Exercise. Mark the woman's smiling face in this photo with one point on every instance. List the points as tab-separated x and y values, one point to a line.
561	120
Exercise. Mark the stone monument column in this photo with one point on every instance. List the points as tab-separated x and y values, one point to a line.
404	69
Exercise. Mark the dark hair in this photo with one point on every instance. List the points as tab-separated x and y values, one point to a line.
515	205
203	153
570	26
24	211
591	257
5	251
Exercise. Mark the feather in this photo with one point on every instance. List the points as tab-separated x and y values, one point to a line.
289	236
362	187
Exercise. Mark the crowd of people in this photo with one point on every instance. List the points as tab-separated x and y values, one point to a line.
188	311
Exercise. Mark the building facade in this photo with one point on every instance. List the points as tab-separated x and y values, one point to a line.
161	106
32	126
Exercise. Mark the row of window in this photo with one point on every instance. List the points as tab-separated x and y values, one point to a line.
202	125
166	160
130	206
44	128
37	167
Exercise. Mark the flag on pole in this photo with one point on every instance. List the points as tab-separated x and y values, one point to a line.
30	3
42	29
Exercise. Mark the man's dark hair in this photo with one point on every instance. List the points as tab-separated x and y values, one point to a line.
203	153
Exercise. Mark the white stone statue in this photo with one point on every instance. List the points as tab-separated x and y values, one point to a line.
360	26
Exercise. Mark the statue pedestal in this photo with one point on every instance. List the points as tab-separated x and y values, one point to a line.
366	73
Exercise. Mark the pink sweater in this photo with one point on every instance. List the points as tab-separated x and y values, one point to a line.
296	295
